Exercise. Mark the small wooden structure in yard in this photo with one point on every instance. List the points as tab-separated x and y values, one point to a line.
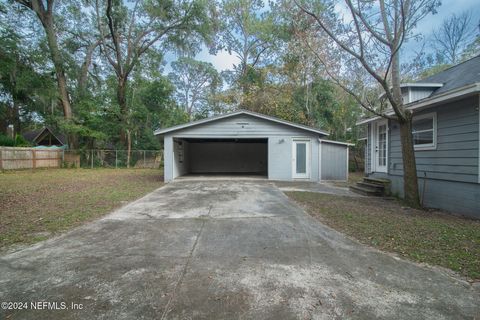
45	137
29	158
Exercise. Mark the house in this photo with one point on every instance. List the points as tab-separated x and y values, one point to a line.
446	136
45	137
249	143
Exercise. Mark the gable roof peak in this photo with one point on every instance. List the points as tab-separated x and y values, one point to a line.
236	113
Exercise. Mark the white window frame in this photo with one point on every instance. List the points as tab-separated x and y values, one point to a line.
433	145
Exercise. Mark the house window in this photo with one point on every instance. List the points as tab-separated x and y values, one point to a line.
424	131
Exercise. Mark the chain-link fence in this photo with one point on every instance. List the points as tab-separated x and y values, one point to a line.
112	159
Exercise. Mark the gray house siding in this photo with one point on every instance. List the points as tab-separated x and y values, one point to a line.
419	93
456	155
332	155
450	173
279	136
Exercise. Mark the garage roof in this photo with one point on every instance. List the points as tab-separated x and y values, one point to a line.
236	113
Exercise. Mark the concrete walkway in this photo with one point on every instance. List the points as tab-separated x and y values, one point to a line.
223	250
314	187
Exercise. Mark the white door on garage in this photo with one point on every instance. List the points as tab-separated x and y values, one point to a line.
301	159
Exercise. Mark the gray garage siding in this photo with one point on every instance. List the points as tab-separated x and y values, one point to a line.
241	125
280	151
333	155
280	157
279	137
182	167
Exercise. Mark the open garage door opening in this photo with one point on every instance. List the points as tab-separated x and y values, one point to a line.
239	157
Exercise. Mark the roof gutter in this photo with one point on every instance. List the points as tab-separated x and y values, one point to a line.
336	142
444	97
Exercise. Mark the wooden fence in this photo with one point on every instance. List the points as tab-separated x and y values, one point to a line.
29	158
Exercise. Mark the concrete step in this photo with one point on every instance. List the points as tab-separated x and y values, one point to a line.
366	192
382	182
371	186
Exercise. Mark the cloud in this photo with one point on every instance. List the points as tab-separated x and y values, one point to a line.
221	61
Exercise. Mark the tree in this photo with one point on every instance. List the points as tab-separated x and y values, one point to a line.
128	31
248	34
453	36
26	90
193	81
71	53
44	12
370	41
473	48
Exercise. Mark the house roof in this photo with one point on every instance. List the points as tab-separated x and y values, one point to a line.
33	135
460	75
236	113
457	81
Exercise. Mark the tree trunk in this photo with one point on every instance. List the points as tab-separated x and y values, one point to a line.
16	119
121	94
122	103
58	63
410	181
82	79
129	147
46	18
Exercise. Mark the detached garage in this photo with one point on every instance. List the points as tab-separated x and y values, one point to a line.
249	143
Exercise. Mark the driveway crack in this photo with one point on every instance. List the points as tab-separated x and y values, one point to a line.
169	306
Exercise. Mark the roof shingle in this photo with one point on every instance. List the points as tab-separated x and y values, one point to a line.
465	73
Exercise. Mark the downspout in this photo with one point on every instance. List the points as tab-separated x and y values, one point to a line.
424	186
319	160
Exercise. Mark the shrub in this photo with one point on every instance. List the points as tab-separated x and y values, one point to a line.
19	141
6	141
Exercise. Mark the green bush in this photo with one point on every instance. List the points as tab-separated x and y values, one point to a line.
6	141
19	141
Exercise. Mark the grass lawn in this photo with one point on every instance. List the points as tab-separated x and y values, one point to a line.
423	236
35	205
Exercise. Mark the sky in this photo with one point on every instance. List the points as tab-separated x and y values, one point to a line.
448	7
224	61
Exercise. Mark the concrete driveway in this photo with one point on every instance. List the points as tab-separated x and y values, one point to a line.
223	250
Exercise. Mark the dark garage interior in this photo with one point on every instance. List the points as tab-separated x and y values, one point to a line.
225	156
